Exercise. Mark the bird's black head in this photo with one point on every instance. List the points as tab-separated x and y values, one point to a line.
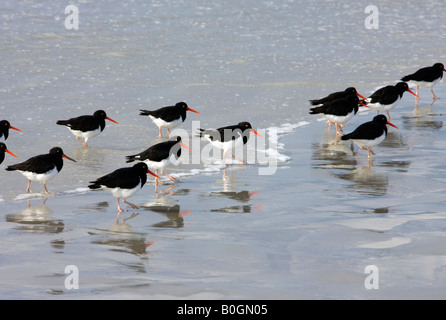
244	125
141	167
5	124
380	118
2	146
402	86
439	66
350	90
100	114
176	139
352	98
58	152
181	105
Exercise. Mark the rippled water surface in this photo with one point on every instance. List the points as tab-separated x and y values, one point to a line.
307	231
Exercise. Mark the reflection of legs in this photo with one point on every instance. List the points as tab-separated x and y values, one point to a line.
435	97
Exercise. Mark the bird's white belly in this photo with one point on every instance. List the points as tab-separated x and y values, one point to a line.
227	145
383	107
40	177
339	119
159	165
425	84
123	193
364	143
161	123
86	135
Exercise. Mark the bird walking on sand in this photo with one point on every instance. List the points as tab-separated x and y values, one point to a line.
426	77
339	111
86	126
161	155
386	98
370	134
168	117
41	168
123	183
229	137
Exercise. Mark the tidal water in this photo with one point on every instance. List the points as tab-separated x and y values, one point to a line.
308	229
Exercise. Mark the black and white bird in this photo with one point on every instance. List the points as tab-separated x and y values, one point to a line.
161	155
41	168
229	137
426	77
3	150
123	183
168	117
339	111
4	129
337	95
386	98
87	126
370	134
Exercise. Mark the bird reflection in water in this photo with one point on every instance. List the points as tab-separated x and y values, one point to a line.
423	118
243	196
167	207
37	219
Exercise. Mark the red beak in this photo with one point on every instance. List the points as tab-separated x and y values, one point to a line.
364	105
362	97
155	175
413	93
11	127
256	133
186	147
110	119
66	157
12	154
189	109
391	124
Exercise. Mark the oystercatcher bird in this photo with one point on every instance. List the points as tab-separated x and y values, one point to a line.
41	168
229	137
124	182
168	117
4	149
386	98
339	111
337	95
4	129
426	77
160	156
370	134
87	126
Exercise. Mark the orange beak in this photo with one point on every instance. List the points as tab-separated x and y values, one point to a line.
364	105
110	119
11	127
391	124
256	133
186	147
12	154
67	157
155	175
413	93
362	97
189	109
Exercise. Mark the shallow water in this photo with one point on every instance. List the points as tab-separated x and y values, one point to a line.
308	231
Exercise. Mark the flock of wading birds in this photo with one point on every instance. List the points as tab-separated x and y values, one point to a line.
338	108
